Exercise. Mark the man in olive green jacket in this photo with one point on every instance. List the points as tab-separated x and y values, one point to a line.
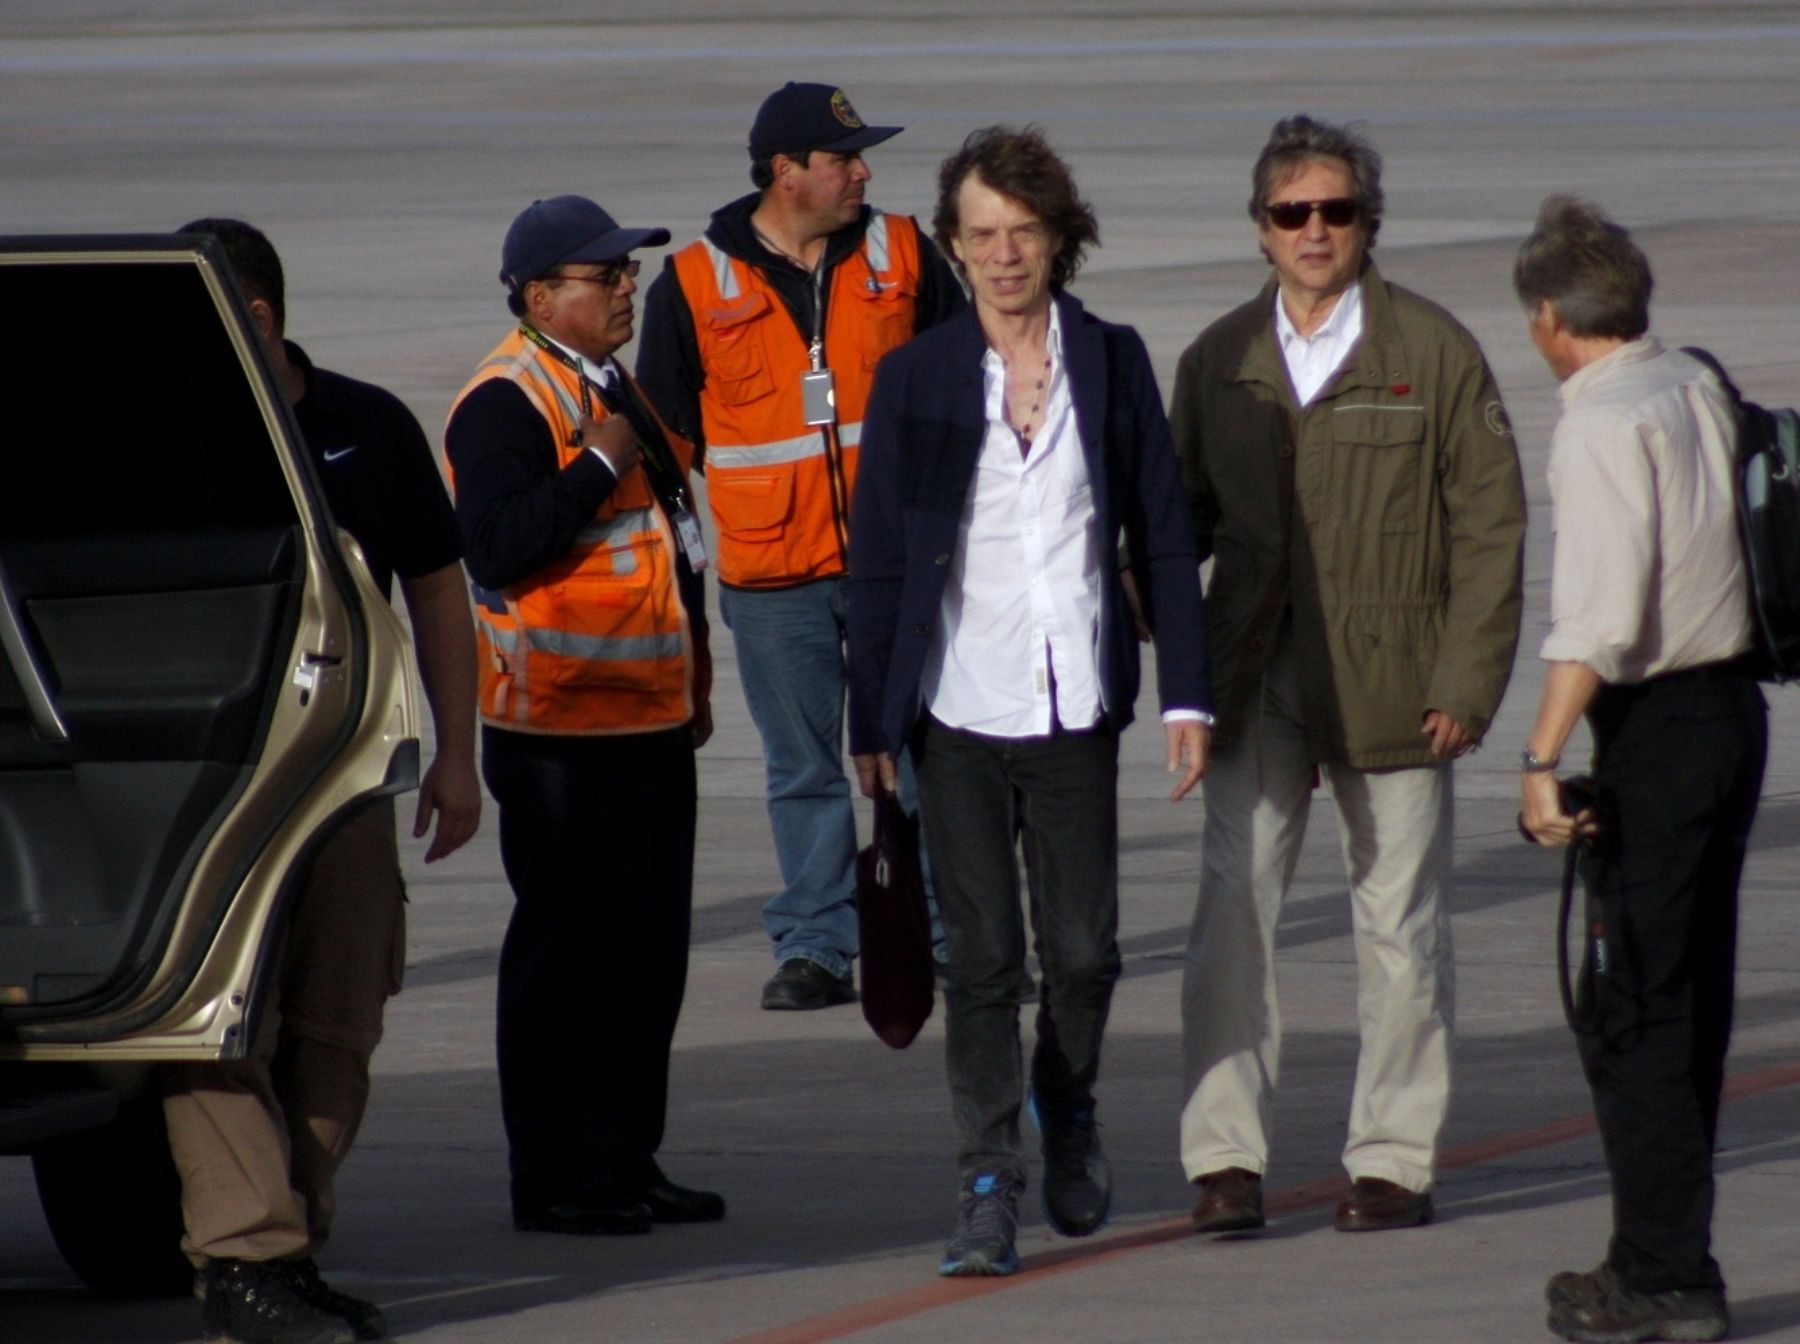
1352	473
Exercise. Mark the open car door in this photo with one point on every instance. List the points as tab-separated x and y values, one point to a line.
196	678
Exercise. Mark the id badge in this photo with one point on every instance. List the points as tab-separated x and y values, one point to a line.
693	545
818	395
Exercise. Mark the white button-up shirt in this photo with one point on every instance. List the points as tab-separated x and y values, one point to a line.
1311	360
1021	610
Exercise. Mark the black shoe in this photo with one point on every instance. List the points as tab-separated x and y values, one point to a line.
1077	1180
259	1302
802	983
619	1217
671	1203
364	1318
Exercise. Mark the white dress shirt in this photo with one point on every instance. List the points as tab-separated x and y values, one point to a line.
1023	596
1311	360
1647	576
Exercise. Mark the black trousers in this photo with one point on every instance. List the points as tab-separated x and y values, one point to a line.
980	798
597	839
1680	759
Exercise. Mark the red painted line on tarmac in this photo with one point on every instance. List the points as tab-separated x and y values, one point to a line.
859	1316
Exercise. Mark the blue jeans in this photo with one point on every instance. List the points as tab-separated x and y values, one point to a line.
790	652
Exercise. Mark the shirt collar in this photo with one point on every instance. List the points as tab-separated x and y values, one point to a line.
1632	352
595	371
992	363
1345	317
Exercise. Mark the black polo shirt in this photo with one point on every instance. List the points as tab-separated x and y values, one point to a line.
379	477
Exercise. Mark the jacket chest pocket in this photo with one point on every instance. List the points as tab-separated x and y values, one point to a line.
737	363
1378	464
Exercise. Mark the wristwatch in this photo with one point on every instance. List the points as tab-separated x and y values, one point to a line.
1531	765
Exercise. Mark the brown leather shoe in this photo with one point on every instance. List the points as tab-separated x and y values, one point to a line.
1230	1201
1376	1205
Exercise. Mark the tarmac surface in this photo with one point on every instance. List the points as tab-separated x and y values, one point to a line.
385	149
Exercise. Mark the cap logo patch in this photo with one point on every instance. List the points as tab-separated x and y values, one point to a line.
841	109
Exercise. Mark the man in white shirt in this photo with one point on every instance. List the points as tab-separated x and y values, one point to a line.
1353	477
1650	630
1003	453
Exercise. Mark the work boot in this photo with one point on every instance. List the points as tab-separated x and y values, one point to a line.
364	1318
259	1302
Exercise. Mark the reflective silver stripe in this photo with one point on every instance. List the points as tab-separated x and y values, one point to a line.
723	274
507	641
617	533
875	242
767	454
605	648
564	398
781	450
615	529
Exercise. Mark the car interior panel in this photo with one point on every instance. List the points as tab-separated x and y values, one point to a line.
152	562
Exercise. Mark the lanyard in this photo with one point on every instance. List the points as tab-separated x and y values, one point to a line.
817	349
660	469
654	448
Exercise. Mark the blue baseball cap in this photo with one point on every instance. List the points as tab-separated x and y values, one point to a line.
564	229
799	117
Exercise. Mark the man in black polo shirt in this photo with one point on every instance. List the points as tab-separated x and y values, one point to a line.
258	1141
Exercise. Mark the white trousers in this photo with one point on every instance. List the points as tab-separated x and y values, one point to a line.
1396	828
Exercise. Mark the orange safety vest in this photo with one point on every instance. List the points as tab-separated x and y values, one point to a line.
780	490
596	642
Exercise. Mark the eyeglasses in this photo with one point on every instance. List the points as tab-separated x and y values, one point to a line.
611	273
1288	216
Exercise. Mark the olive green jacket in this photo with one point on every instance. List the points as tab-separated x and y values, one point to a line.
1387	519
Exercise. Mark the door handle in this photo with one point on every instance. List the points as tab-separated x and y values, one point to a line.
306	674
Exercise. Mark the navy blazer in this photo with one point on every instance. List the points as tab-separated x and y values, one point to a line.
922	434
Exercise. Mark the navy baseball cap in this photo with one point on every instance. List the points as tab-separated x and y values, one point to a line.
799	117
564	229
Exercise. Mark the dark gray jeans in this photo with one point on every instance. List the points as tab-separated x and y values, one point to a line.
1058	797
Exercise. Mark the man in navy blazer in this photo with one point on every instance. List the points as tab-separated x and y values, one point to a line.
1003	454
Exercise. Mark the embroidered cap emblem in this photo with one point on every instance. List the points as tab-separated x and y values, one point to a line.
1494	416
841	109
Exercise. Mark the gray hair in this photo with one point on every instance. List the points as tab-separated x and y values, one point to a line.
1588	267
1298	140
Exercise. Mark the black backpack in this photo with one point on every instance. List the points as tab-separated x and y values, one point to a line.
1768	511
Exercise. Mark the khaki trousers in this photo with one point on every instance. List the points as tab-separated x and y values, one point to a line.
258	1141
1396	828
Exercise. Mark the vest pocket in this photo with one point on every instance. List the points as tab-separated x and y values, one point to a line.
752	506
736	357
887	317
614	630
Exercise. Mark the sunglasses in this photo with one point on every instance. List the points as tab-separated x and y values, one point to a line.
611	273
1338	212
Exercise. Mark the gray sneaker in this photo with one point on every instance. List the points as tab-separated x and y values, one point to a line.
1599	1308
987	1218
